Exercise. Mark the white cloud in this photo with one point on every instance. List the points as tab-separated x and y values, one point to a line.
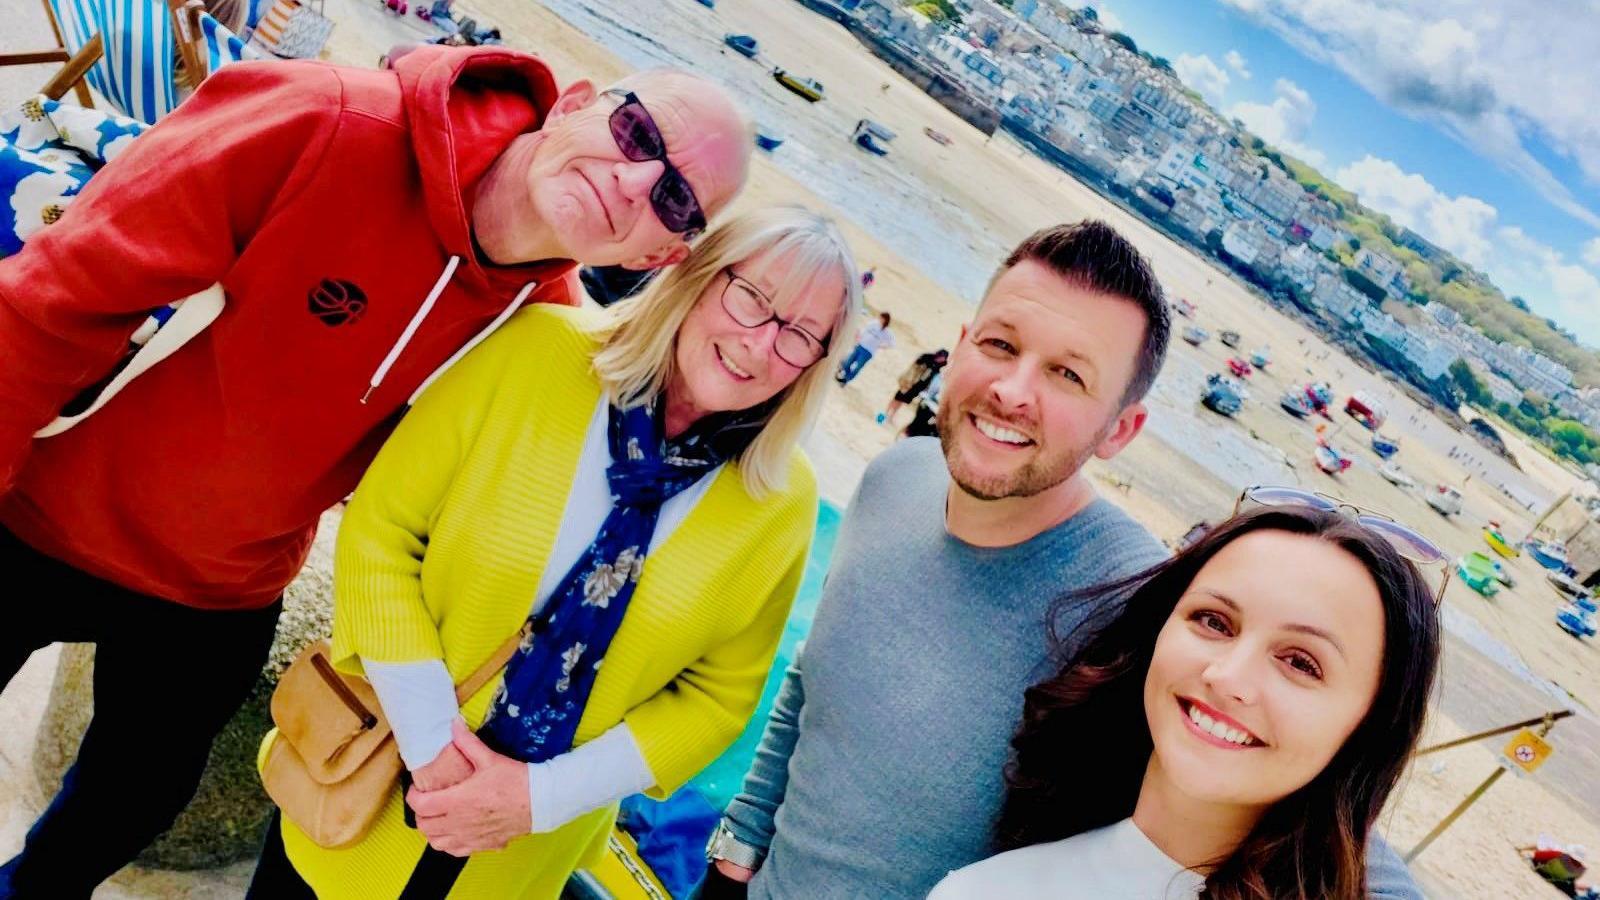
1237	63
1204	75
1519	264
1458	224
1284	122
1108	19
1496	76
1591	252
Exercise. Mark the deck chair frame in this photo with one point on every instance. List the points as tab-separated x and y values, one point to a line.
77	64
184	16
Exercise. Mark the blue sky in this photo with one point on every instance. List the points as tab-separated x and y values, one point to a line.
1475	122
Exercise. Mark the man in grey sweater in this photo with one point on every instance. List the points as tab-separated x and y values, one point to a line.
881	768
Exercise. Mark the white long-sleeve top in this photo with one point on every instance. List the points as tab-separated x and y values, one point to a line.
1116	862
419	699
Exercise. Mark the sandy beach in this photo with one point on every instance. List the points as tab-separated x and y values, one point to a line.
933	220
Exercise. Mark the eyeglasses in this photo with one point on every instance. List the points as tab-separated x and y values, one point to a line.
640	140
746	305
1406	541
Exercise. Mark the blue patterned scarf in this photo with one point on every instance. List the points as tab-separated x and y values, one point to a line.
548	680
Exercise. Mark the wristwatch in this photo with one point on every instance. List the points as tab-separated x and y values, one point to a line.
724	845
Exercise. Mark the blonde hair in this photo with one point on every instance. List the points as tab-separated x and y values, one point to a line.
638	353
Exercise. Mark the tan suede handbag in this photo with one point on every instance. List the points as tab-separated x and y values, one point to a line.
335	761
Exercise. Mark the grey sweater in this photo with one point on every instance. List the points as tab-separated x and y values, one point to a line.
881	766
880	769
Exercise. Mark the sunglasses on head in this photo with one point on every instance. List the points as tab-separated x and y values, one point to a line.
640	140
1406	541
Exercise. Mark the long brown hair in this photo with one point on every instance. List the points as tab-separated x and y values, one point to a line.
1310	845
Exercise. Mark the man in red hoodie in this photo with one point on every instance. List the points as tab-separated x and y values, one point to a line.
365	228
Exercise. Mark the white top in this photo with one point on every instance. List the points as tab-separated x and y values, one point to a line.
1116	862
875	336
419	699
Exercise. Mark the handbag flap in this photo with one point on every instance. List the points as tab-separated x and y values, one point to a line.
332	720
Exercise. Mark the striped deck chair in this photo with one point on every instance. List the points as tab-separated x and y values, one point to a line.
135	74
221	45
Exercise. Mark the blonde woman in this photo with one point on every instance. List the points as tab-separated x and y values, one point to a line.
626	482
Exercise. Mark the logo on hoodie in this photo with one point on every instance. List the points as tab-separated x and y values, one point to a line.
336	302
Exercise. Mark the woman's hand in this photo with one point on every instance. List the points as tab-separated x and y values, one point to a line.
448	769
483	812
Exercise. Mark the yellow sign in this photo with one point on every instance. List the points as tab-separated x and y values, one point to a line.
1527	751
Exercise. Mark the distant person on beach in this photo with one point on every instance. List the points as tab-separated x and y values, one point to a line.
925	414
366	227
913	381
868	278
1262	690
873	337
882	765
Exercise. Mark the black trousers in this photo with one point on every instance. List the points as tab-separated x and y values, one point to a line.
167	677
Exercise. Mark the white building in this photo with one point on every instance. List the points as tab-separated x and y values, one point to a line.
1336	295
1432	357
1244	241
1381	325
1382	270
1444	315
1300	265
1276	195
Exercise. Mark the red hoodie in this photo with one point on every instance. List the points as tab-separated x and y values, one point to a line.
329	203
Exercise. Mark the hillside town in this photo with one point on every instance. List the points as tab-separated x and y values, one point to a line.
1088	99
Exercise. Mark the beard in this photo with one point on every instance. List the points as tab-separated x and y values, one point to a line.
1044	470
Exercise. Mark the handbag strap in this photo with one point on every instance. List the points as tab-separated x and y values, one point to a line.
491	667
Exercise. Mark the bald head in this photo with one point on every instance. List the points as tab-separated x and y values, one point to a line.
591	185
709	120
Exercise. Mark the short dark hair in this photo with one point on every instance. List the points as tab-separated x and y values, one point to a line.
885	317
1094	256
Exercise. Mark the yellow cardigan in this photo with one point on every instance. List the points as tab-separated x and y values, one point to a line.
440	555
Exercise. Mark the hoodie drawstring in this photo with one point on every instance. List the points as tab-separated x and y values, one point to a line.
411	327
477	339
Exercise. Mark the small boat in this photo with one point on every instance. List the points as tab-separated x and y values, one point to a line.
1260	358
767	139
938	137
1568	587
743	44
1294	403
1229	338
1196	335
1576	621
872	137
1384	447
1222	395
1550	554
809	88
1478	571
1184	308
1395	475
1366	409
1330	460
1498	543
1238	367
1320	396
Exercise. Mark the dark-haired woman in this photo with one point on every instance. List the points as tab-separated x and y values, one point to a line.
1235	732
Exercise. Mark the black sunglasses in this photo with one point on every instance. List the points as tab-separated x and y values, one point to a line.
640	140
